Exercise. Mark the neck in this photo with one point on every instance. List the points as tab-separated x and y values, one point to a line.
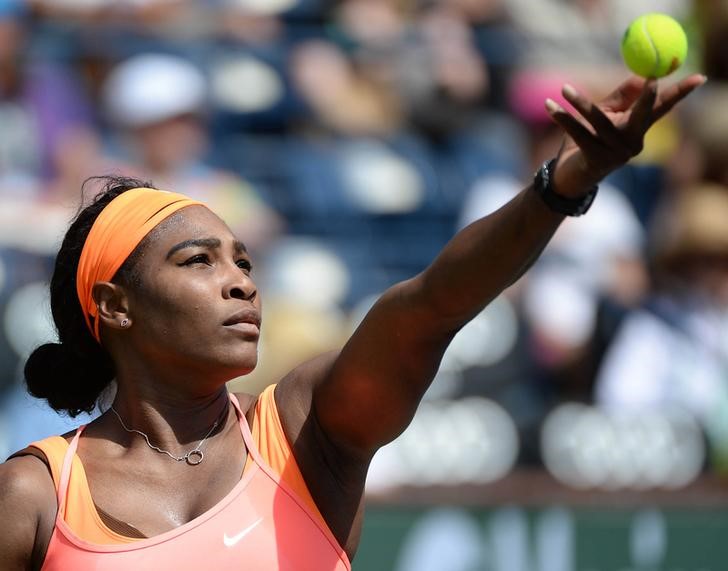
171	421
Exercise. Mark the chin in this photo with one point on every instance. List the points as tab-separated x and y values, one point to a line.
243	365
222	361
229	371
245	370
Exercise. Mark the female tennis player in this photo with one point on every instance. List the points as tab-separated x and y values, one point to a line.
151	291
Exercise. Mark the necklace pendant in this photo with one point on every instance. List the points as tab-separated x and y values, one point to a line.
194	457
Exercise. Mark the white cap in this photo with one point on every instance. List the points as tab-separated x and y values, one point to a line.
149	88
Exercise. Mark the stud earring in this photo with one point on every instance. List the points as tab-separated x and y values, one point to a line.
124	322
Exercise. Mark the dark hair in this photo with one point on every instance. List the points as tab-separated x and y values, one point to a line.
72	374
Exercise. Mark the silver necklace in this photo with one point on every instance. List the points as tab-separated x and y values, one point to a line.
193	457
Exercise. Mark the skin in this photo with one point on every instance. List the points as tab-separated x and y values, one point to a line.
175	354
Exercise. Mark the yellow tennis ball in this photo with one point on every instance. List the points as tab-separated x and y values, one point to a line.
654	45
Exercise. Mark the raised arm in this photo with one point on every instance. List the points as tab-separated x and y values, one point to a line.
367	395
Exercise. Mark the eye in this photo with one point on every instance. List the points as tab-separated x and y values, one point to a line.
197	259
245	265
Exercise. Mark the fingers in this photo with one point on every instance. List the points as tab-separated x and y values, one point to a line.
642	115
617	126
592	113
572	126
676	93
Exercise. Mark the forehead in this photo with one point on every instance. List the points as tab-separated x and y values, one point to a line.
185	224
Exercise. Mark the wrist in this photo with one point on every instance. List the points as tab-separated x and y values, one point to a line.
572	180
545	185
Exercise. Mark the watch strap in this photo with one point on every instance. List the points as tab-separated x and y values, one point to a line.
543	185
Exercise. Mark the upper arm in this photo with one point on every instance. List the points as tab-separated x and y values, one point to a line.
27	502
369	393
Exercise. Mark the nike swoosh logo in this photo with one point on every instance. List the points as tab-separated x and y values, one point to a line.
230	541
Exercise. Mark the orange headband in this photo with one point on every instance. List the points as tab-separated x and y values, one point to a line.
120	227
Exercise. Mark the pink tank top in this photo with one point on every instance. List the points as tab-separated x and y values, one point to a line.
260	525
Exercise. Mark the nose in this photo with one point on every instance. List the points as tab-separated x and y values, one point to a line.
239	285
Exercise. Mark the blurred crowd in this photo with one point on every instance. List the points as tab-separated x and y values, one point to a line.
346	141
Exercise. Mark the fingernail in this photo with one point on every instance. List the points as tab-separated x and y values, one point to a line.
552	106
569	91
703	78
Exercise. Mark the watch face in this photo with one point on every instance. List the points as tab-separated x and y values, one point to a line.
542	177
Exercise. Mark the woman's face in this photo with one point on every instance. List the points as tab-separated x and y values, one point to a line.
196	307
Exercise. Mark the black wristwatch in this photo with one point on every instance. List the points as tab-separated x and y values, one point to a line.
543	185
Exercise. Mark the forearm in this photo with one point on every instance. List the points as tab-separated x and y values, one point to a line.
486	257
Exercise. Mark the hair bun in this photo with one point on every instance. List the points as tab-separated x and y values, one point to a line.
69	382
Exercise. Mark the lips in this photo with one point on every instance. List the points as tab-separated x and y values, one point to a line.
249	317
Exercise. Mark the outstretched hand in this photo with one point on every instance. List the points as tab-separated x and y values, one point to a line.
605	135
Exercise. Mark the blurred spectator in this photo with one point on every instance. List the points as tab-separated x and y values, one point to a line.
712	19
673	352
374	23
158	103
445	78
704	145
40	103
430	60
342	96
112	11
479	11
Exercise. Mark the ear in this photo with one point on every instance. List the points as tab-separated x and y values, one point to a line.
113	305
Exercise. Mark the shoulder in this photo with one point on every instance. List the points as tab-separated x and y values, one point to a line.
27	492
296	388
26	481
293	393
